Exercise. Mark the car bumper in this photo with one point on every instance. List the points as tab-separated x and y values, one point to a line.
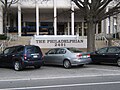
32	63
76	62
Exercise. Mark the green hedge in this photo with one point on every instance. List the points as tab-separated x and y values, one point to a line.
3	37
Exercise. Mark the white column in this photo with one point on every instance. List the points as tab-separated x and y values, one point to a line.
1	20
37	19
68	25
55	18
19	20
72	17
97	29
82	28
103	26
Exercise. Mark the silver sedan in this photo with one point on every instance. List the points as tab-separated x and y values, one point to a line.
66	57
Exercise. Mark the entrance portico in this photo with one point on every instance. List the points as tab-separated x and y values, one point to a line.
54	19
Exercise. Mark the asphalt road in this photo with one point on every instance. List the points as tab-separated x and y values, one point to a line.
89	77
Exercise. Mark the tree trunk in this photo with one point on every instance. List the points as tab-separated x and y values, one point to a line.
91	35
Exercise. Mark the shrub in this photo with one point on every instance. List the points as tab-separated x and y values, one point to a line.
3	37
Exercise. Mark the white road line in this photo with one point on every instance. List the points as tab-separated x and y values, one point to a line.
67	85
105	69
62	77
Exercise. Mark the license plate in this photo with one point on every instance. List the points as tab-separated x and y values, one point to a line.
35	56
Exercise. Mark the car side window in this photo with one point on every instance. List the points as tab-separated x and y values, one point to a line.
37	50
9	50
113	50
53	51
20	50
117	50
6	51
61	51
102	50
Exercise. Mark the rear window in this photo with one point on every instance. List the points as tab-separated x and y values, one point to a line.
33	49
30	50
37	50
74	50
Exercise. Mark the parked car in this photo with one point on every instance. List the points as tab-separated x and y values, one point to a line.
66	57
107	55
21	56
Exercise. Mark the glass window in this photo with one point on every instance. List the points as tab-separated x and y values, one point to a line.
74	50
61	51
53	51
102	50
20	49
117	50
113	50
9	50
37	50
30	50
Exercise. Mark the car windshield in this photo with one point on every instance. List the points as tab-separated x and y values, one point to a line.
74	50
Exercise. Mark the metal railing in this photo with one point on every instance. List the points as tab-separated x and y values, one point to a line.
6	42
101	37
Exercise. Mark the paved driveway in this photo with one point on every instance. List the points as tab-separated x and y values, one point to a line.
48	72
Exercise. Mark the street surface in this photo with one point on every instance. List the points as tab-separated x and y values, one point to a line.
89	77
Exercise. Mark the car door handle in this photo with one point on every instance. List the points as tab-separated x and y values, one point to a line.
103	54
5	55
116	54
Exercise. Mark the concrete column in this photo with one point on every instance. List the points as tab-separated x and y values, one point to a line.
82	28
1	20
68	25
37	19
19	20
72	17
97	29
102	26
55	17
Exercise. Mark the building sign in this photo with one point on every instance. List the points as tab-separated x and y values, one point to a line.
51	41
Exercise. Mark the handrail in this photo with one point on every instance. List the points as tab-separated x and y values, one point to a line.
101	37
5	43
2	46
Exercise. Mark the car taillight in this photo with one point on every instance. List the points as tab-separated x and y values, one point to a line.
79	55
88	55
83	56
25	56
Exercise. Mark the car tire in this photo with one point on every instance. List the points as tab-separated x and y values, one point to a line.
118	62
67	64
17	66
37	66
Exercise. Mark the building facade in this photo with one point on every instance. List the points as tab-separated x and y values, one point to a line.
51	17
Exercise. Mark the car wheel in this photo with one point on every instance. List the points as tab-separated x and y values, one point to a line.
118	62
17	66
67	64
37	66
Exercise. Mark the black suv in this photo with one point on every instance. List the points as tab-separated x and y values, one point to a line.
21	56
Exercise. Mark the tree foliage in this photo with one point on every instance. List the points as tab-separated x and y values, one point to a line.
95	11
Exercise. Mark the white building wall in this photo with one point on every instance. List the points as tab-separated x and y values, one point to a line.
1	20
44	3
